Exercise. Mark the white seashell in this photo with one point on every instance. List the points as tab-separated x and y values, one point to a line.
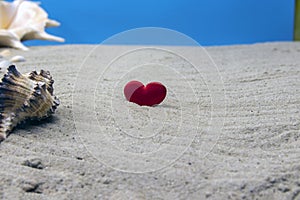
4	63
17	59
5	53
24	20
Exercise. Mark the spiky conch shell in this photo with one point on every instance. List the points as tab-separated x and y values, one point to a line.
23	97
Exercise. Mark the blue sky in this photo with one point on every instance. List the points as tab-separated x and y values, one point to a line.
209	22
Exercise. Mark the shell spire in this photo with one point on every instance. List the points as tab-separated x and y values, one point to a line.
24	97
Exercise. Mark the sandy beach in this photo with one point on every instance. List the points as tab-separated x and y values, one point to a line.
228	129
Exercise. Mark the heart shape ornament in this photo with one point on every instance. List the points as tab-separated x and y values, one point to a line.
151	94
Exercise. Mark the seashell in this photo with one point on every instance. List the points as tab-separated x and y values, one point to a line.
3	60
4	63
24	97
24	20
17	59
5	53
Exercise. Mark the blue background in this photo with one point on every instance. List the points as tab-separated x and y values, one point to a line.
209	22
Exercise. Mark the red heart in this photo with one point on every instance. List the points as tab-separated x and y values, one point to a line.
151	94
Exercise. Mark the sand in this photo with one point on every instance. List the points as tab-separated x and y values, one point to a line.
228	129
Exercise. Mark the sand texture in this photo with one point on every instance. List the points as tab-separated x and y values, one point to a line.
225	132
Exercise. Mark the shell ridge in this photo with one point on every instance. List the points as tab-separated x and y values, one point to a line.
25	97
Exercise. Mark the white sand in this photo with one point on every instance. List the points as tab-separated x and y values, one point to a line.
247	145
